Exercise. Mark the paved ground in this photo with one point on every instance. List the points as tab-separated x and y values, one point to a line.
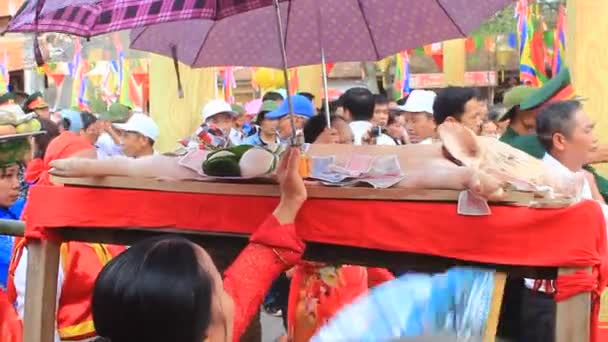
272	327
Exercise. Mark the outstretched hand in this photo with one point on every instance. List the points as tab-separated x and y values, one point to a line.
293	191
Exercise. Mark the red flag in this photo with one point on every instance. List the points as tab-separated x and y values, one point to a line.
329	67
294	81
470	45
538	52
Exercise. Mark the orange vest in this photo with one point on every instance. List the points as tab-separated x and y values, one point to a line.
81	264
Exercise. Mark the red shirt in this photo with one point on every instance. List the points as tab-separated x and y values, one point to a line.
64	146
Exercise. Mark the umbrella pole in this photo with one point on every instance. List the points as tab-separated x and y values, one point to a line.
325	90
285	73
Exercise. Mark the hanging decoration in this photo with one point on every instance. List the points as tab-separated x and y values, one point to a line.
559	45
294	80
4	74
402	75
267	78
78	69
530	28
58	73
228	83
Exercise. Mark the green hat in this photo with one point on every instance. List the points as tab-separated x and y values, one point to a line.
238	109
268	106
516	95
13	151
34	101
559	88
116	113
7	98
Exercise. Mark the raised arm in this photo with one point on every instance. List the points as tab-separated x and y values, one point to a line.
273	248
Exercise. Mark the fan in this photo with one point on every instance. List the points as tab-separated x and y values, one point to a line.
452	304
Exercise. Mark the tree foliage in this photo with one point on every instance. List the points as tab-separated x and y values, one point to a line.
505	22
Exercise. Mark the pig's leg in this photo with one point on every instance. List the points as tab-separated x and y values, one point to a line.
157	166
443	174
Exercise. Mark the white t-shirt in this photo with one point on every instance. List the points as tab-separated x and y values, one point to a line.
360	128
106	147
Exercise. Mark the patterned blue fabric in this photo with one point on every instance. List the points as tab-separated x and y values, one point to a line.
455	303
6	242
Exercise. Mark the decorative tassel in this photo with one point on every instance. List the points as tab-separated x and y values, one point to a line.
180	90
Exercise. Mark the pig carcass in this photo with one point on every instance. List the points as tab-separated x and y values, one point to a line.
461	161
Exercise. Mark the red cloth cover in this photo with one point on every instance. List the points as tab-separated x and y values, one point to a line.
568	237
11	329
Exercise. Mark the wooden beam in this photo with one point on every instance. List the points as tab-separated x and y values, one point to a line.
272	190
41	291
573	316
500	280
12	227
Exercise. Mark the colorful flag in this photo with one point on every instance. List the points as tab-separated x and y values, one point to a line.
522	14
73	65
4	74
124	79
559	45
294	81
228	83
402	75
78	69
532	47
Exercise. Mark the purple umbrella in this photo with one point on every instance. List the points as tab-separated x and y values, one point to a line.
243	32
345	30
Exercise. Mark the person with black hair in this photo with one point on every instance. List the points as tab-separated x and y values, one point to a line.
358	105
307	95
402	101
316	131
460	104
566	133
169	289
81	262
381	107
396	127
84	124
39	146
273	96
266	133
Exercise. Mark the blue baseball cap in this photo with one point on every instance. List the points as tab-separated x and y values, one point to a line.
301	106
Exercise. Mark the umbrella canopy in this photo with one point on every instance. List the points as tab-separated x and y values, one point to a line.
347	30
244	32
88	18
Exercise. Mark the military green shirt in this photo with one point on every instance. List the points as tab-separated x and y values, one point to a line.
531	145
528	143
508	135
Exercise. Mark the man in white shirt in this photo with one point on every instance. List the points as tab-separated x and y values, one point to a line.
108	144
566	132
139	135
420	123
460	104
359	103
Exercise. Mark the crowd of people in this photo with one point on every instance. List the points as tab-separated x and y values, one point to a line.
169	289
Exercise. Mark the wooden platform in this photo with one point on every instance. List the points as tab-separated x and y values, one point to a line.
272	190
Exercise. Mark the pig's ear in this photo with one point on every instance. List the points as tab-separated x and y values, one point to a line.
461	143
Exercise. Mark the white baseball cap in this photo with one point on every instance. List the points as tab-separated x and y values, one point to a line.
142	124
215	107
419	101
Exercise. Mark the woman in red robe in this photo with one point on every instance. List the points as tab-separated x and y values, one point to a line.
168	289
